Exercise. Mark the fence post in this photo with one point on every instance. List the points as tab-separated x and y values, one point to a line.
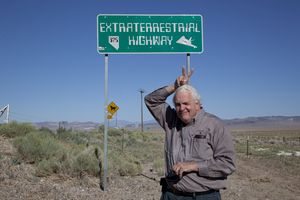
123	133
247	146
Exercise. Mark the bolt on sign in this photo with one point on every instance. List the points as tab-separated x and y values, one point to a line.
117	34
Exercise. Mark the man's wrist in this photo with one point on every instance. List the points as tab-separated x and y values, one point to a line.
171	88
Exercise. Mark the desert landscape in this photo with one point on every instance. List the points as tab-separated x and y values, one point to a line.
268	167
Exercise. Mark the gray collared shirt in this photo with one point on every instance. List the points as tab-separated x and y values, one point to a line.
205	140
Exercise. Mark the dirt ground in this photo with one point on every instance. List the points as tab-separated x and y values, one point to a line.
253	180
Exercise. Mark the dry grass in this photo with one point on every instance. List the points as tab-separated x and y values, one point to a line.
265	146
260	175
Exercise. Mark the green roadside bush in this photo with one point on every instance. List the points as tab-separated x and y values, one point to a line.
78	153
37	146
51	155
46	130
114	132
125	164
76	164
158	166
85	162
47	167
14	129
73	137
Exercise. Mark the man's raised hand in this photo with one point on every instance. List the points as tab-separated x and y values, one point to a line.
184	78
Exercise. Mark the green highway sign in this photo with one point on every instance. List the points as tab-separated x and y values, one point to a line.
118	34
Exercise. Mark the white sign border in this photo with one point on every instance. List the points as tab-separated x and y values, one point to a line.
171	15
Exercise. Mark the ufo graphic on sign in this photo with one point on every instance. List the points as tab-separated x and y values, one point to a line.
187	42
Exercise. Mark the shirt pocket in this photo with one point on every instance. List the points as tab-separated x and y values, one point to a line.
200	148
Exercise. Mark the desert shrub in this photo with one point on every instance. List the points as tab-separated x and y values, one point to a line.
76	161
52	155
73	137
128	169
158	166
114	132
63	134
95	134
101	129
73	153
157	138
134	137
125	164
14	129
46	130
37	146
84	162
145	147
47	167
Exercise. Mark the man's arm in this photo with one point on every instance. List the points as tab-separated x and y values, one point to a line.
223	162
156	101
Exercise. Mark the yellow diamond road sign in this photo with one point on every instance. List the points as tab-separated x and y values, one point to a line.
112	108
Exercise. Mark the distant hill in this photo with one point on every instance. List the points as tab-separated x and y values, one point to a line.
82	126
86	126
267	122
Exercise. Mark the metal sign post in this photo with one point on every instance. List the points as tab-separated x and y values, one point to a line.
105	122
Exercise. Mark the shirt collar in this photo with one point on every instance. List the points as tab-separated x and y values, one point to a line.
199	116
196	119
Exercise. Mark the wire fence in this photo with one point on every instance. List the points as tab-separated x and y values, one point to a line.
268	145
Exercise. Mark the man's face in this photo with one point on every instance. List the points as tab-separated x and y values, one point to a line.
186	106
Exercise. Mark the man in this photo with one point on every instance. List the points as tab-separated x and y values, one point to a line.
199	151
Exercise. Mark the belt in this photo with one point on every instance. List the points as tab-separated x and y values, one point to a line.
190	194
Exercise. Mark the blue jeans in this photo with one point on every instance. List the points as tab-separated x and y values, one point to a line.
211	196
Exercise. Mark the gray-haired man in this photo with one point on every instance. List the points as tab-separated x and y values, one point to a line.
199	150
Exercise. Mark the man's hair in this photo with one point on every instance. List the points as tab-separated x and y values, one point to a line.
188	88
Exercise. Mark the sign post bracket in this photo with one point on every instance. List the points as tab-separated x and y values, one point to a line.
188	63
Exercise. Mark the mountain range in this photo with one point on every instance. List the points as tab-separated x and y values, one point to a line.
266	122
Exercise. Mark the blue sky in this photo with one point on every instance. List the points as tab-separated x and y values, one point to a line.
51	70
